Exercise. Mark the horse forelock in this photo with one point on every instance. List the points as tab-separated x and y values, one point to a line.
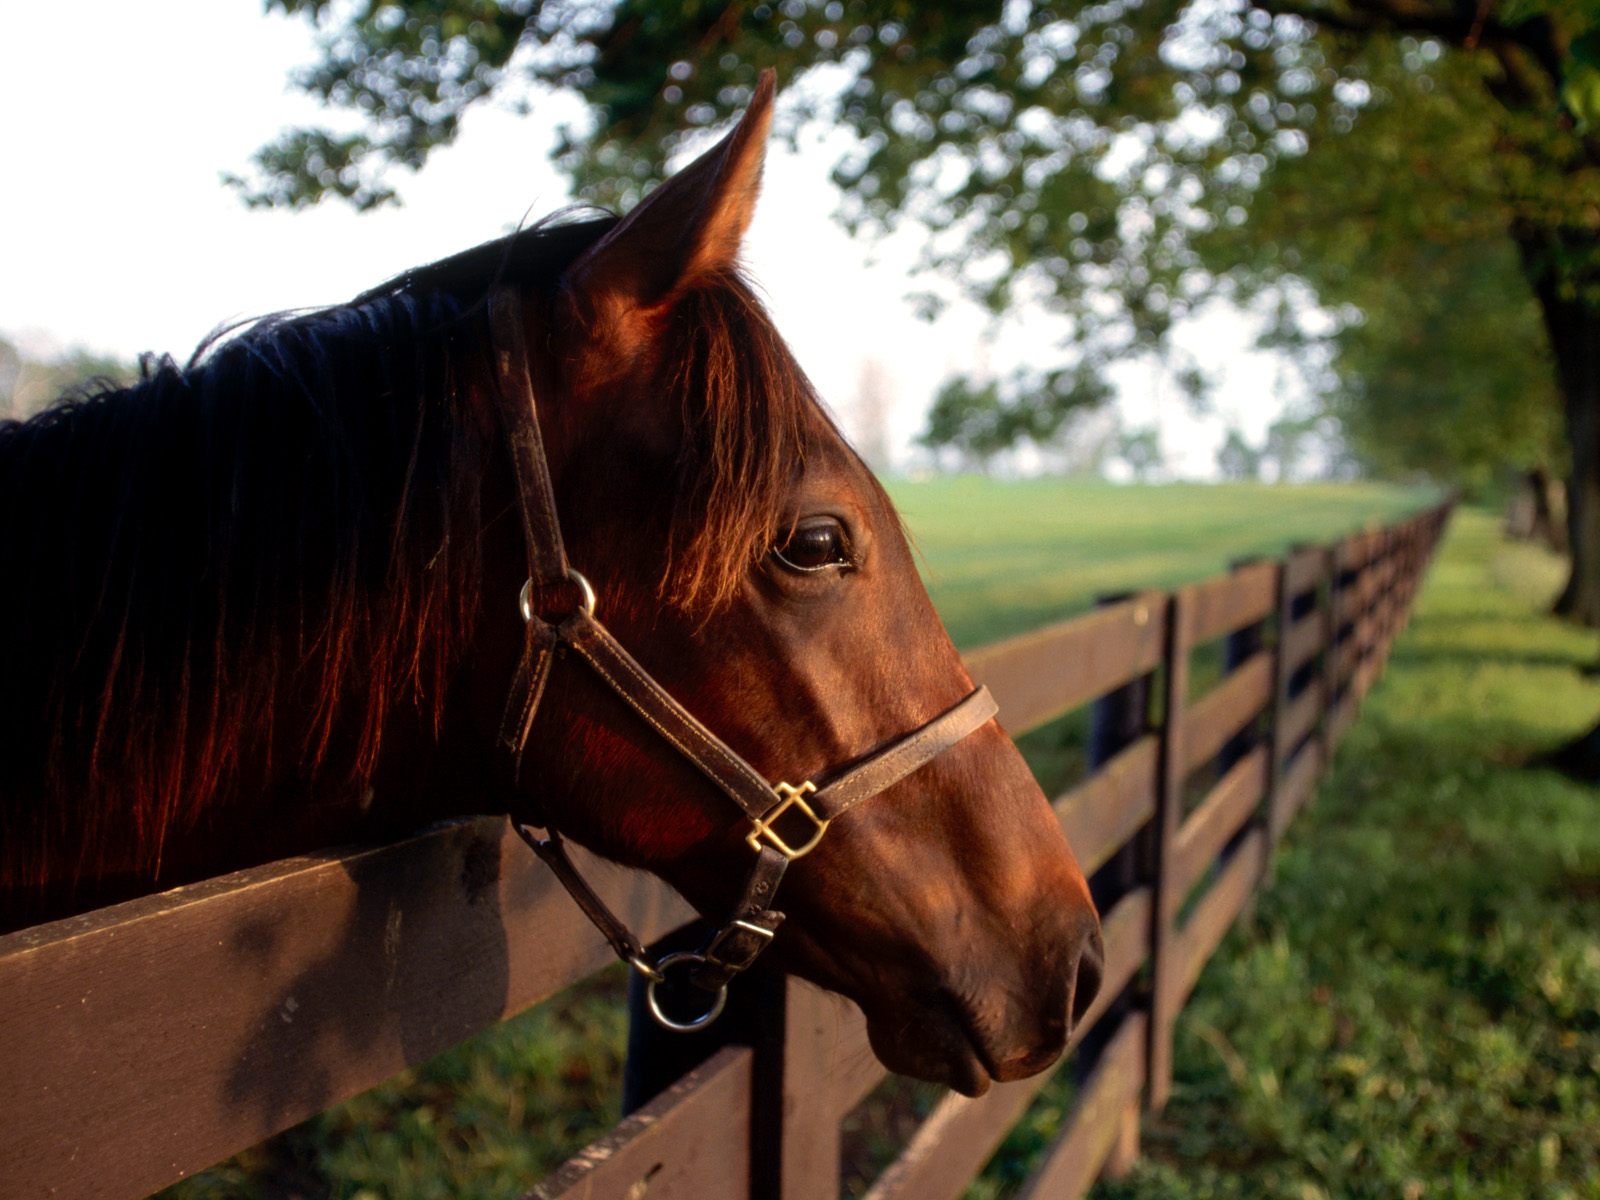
750	419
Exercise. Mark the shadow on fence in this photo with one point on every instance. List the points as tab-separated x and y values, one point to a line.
127	1034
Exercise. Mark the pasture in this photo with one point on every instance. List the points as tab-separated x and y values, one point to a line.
514	1102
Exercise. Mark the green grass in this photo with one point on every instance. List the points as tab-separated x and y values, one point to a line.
1006	556
1003	557
1413	1010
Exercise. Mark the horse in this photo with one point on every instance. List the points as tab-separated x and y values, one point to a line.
274	599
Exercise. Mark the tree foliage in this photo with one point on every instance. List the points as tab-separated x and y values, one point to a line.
1427	170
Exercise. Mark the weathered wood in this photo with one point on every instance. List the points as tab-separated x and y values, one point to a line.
823	1035
689	1143
1299	782
1224	710
1305	569
1219	816
1074	1158
1212	916
1304	639
1106	809
1039	676
302	983
1169	813
1226	602
1300	717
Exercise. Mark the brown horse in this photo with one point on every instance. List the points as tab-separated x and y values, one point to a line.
268	602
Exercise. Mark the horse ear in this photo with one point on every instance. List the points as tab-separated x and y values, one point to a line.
688	228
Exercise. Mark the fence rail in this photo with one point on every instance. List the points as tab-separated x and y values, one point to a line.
148	1040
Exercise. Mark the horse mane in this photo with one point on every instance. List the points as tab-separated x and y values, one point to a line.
242	569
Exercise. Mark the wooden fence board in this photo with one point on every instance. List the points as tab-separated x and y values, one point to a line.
1300	781
1226	807
689	1143
1214	913
1305	569
1074	1158
1304	639
1225	709
1105	810
301	983
1039	676
1300	717
1229	601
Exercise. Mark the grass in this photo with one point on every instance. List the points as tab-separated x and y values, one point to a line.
1005	556
1286	1083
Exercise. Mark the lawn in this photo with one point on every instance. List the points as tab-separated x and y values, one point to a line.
1414	1007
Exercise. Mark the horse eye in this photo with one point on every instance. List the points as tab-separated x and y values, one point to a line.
814	545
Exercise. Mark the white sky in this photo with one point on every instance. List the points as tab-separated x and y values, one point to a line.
117	235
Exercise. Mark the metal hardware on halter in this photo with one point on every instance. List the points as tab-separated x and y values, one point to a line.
585	596
791	799
659	976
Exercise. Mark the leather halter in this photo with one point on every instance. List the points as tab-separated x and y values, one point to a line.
736	944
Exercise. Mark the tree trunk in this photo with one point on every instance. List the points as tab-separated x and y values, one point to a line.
1574	330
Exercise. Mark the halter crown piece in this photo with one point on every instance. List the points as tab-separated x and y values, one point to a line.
736	944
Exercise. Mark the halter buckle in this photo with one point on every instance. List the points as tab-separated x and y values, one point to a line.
790	797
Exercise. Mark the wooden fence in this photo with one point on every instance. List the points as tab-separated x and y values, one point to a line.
148	1040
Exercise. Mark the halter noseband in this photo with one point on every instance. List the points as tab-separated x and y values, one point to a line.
736	944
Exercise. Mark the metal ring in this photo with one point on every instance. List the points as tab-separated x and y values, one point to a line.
700	1022
585	596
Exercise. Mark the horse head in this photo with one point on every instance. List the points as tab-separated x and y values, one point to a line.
756	569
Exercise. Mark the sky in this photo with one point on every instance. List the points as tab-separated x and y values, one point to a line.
117	235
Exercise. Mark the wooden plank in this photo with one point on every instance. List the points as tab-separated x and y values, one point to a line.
1300	717
1074	1158
822	1033
302	983
1212	916
1229	601
1225	710
688	1143
1041	675
1226	807
1106	809
1299	783
1304	570
1304	639
1169	814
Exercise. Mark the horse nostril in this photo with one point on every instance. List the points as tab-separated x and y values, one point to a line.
1091	969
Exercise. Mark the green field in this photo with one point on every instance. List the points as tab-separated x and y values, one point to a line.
1002	557
1413	1009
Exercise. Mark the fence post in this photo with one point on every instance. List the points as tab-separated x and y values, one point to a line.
1116	720
1237	649
1168	817
1282	680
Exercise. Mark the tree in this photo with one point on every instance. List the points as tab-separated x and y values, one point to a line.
980	420
1108	161
30	382
1141	450
1237	459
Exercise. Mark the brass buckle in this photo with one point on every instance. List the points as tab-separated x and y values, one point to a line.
789	797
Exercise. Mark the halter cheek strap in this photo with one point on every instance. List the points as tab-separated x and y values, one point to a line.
787	821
